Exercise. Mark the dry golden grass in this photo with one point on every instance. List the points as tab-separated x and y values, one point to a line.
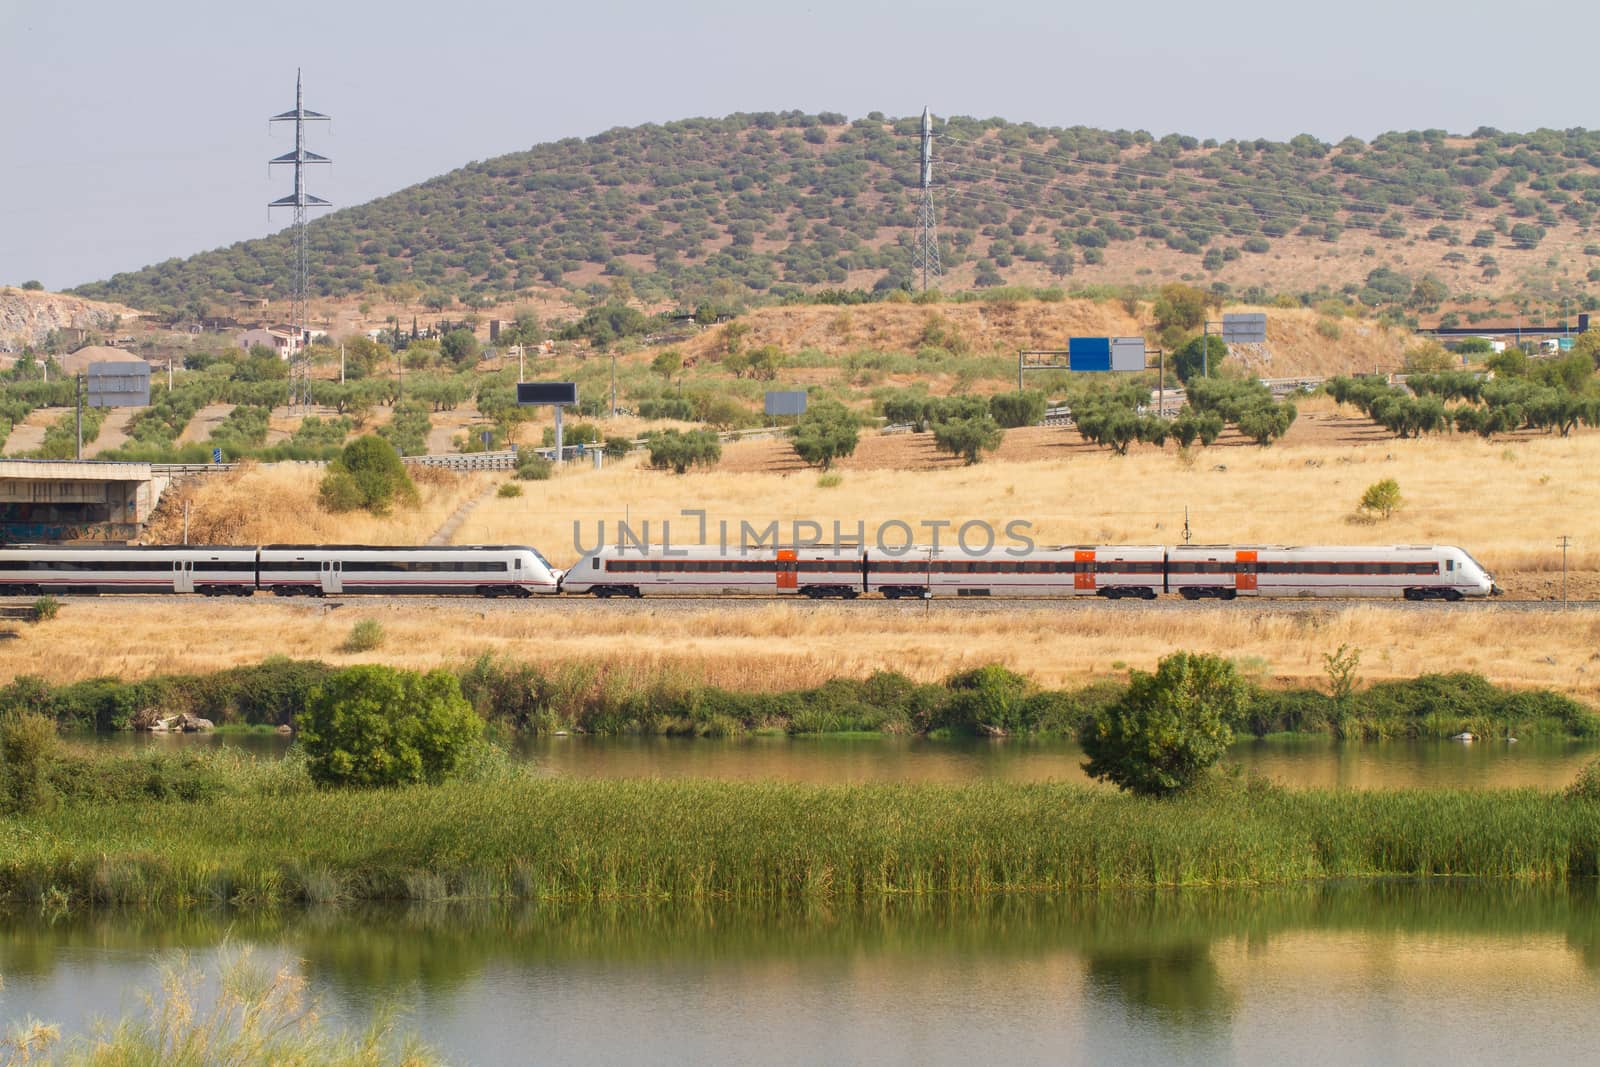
278	503
765	646
1506	501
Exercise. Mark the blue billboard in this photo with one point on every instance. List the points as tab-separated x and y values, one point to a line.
1089	353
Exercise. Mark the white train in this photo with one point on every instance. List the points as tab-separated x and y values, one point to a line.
1415	572
285	570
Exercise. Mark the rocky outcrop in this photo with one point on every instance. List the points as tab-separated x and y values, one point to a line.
28	316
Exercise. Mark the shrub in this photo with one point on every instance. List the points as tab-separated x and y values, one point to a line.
509	489
618	446
990	700
1382	498
1587	785
27	749
43	609
364	636
367	475
376	726
532	467
1170	728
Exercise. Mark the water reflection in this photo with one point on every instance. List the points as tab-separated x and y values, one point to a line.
1301	762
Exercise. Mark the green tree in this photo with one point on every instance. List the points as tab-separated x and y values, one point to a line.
1181	307
968	437
1169	729
1265	423
460	347
1011	410
1189	361
369	476
1382	498
826	432
667	363
680	451
379	726
32	285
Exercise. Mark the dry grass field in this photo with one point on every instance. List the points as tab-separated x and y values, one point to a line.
767	646
278	503
1506	500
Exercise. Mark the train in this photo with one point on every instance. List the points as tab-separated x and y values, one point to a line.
1194	572
283	570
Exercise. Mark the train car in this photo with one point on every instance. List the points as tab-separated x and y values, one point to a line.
709	570
1415	572
209	570
1111	571
481	570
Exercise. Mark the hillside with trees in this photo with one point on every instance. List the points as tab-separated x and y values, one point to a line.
778	205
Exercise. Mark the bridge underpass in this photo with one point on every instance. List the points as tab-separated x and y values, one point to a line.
70	502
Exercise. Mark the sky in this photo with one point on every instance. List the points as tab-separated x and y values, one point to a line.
137	132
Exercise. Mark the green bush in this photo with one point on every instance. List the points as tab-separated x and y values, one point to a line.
379	726
532	467
1170	728
367	475
508	490
43	609
989	700
27	749
1011	410
364	636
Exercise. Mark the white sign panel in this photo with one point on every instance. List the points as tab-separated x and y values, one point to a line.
1127	353
118	385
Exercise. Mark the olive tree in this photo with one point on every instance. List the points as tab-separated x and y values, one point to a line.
1169	728
968	438
825	433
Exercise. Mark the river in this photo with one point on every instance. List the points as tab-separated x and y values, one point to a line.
1361	973
1311	761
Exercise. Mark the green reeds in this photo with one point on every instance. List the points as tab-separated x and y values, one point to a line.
517	837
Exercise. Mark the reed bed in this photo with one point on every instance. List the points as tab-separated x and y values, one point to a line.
690	840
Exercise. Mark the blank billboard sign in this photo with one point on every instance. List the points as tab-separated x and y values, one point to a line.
1127	353
547	392
1245	329
784	402
117	385
1089	353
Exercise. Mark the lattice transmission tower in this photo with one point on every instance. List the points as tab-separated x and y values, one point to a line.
300	201
925	253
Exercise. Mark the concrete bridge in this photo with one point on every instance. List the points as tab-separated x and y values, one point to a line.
67	501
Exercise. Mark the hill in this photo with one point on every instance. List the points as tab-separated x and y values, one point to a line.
718	209
29	316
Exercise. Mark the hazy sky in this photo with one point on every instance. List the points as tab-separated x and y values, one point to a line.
136	132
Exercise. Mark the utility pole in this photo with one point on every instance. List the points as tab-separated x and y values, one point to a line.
1564	543
80	416
300	201
613	383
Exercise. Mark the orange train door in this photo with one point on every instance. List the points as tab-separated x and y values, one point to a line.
1083	573
1244	577
788	572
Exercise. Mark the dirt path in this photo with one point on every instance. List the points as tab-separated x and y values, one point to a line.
28	434
443	534
205	420
113	432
